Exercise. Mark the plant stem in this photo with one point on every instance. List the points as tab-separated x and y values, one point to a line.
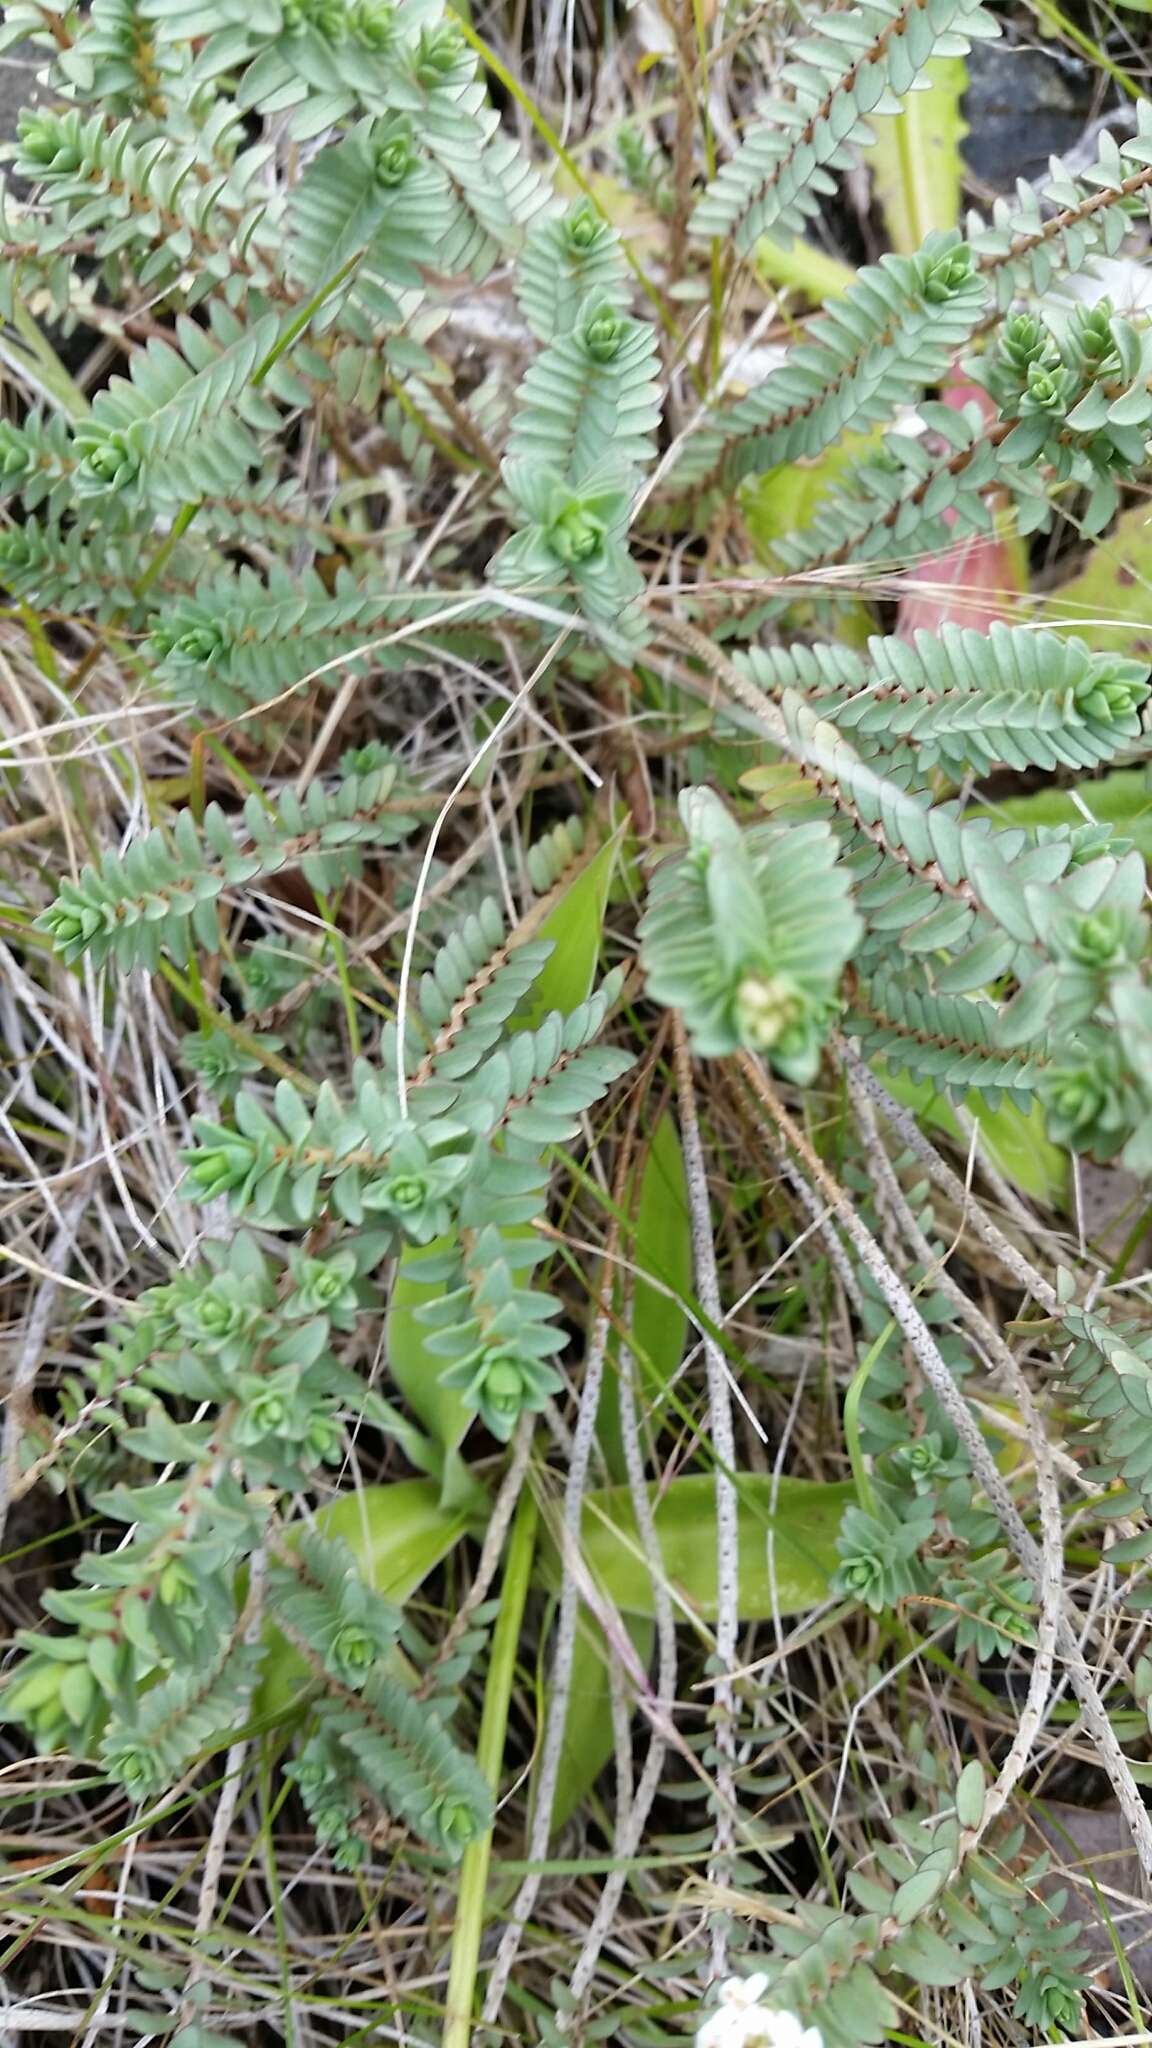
62	389
856	1386
490	1756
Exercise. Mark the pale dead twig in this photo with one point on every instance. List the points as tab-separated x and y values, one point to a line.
32	1348
924	1349
1009	1255
634	1812
1050	1579
561	1670
225	1811
512	711
724	1445
573	1582
492	1548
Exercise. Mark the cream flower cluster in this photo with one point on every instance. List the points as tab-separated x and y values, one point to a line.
740	2021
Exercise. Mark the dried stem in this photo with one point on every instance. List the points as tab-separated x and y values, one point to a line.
926	1352
724	1446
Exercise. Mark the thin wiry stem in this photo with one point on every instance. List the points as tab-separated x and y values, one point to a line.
492	1548
724	1445
634	1814
547	1777
225	1812
32	1348
1009	1255
926	1352
1050	1581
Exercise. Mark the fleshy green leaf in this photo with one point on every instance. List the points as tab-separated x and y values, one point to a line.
787	1539
588	1732
970	1791
574	927
1014	1140
1121	799
915	159
662	1248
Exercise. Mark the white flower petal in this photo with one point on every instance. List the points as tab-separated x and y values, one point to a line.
715	2030
766	2027
777	2030
738	1993
741	2021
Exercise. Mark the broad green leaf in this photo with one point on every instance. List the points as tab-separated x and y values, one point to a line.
787	1550
1109	601
915	159
397	1534
804	268
575	925
588	1734
663	1249
1015	1143
916	1894
785	500
414	1369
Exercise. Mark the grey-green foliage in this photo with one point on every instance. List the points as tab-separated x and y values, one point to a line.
370	1732
748	933
934	1911
161	1649
967	701
239	639
901	1017
921	1531
469	993
460	1171
159	897
592	392
177	427
566	258
893	333
278	212
1047	229
158	1655
1108	1373
932	906
372	198
585	417
1074	411
305	278
842	69
316	276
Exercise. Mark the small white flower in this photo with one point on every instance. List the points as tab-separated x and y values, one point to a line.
779	2030
741	1992
740	2021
